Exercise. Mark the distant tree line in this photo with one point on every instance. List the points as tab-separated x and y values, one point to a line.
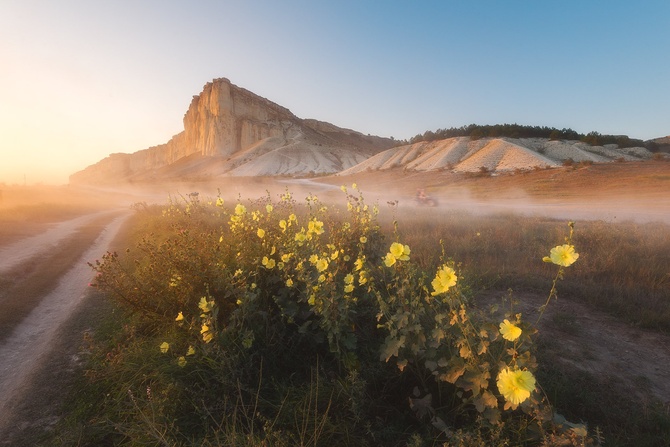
476	131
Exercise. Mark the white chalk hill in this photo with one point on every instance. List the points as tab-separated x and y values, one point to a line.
462	154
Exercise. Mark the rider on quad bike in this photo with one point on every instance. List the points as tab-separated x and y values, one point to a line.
423	199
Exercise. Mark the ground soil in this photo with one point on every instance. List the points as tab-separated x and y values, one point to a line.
580	337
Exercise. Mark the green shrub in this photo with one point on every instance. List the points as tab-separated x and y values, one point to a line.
277	323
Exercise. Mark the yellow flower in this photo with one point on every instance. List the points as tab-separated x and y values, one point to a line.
343	188
362	278
180	317
164	347
240	209
334	255
204	305
300	237
563	255
363	239
289	282
292	218
509	330
358	264
349	279
322	264
348	288
181	361
444	279
400	251
322	278
515	385
269	263
389	260
174	281
207	334
268	208
354	186
282	225
219	202
315	226
313	258
190	351
260	233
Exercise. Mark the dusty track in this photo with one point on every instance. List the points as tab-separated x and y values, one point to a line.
20	251
30	341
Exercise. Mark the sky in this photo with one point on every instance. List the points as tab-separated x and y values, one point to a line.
80	80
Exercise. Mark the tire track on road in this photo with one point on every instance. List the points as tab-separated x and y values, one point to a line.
24	349
27	248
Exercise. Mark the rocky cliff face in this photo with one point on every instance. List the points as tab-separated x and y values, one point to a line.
225	121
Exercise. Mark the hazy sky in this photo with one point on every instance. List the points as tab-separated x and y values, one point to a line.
82	79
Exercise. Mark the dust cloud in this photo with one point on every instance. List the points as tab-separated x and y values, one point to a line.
386	192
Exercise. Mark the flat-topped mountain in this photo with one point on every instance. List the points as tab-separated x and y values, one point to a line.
231	131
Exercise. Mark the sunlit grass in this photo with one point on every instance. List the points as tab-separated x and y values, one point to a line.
623	267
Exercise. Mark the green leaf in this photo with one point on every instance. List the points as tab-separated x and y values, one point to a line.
391	347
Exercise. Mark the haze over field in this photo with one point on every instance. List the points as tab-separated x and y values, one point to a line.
81	81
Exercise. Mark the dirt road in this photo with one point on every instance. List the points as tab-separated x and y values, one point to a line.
28	344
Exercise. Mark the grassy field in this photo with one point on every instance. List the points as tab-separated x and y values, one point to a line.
235	336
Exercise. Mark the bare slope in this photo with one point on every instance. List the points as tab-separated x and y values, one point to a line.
462	154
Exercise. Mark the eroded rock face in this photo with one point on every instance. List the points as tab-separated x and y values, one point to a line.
232	124
225	119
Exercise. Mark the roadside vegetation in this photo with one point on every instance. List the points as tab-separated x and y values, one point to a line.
275	322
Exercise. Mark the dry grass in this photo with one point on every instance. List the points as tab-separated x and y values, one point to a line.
623	268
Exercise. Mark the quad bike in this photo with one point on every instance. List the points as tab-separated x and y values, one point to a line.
424	200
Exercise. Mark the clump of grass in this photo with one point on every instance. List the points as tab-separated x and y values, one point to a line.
623	269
